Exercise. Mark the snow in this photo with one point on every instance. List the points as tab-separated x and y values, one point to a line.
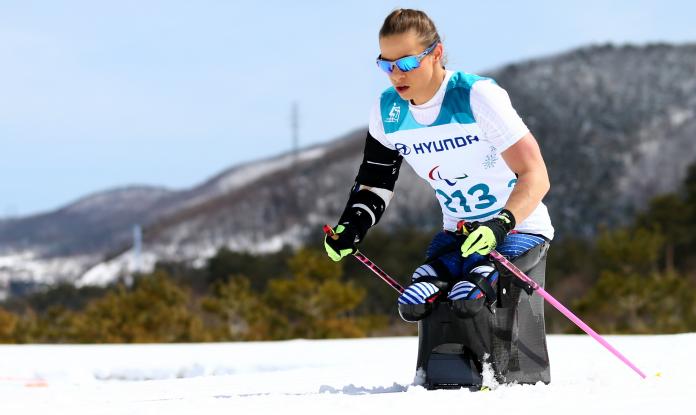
32	266
253	171
240	176
332	377
28	265
122	199
124	265
107	272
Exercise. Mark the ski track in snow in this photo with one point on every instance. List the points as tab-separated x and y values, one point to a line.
332	376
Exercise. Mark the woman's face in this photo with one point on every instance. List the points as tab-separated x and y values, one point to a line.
420	84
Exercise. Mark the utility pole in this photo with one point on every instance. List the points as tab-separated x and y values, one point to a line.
295	126
293	199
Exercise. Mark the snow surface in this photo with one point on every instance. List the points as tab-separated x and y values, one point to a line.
361	376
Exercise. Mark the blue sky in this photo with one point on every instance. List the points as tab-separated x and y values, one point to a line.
96	95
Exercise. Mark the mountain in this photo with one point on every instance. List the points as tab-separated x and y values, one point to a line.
616	126
62	244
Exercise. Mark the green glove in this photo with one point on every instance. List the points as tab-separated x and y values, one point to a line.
484	237
343	245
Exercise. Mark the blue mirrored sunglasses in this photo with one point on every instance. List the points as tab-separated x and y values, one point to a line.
407	63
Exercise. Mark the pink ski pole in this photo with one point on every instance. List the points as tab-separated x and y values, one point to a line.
560	307
371	265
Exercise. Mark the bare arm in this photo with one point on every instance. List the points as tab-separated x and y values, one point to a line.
524	158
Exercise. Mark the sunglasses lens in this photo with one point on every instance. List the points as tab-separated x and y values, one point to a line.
385	66
408	63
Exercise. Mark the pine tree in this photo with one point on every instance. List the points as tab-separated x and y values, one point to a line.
669	215
314	302
630	251
8	323
243	315
155	310
658	303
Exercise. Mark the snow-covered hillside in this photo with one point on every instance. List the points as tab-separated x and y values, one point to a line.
71	243
628	137
366	376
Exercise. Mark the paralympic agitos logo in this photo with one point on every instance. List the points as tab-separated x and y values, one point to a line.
434	174
436	146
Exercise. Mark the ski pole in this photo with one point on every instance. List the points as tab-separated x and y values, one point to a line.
369	264
560	307
465	227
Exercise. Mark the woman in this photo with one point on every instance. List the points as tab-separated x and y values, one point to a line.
461	134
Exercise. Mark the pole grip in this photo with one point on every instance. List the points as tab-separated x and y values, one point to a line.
369	264
328	230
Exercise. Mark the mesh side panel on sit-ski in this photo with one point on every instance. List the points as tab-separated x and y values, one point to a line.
519	334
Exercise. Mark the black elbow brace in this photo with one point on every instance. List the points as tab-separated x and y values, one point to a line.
380	165
364	209
379	168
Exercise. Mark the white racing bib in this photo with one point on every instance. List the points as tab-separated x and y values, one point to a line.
452	153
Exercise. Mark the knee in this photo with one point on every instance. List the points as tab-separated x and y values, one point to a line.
415	303
469	296
423	273
467	300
